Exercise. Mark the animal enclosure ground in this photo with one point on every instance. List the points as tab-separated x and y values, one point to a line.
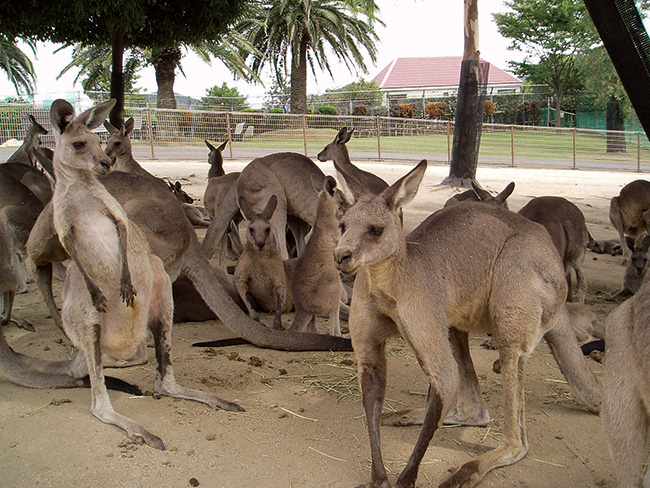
304	425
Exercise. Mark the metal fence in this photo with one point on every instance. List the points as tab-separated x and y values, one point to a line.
179	135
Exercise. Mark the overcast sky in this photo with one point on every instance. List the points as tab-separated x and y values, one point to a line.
414	28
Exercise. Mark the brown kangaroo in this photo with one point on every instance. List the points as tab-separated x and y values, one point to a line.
566	225
316	283
629	211
19	209
478	194
286	175
422	286
115	288
260	272
626	388
25	153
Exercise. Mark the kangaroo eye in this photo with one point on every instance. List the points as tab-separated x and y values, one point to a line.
117	143
78	144
376	231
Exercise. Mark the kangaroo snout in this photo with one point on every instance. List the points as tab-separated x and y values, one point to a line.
107	164
342	258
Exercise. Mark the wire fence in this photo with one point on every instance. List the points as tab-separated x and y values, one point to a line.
180	135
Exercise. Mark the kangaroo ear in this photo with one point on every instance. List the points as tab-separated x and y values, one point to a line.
210	146
223	146
645	243
110	127
341	136
93	117
507	191
316	183
349	136
330	185
267	213
61	115
482	195
128	126
404	190
630	242
352	188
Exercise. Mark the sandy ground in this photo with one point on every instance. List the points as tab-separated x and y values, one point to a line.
304	424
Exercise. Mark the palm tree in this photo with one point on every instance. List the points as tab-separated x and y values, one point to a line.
17	66
95	63
307	29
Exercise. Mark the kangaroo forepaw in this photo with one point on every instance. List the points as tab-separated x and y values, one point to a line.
128	293
99	300
146	437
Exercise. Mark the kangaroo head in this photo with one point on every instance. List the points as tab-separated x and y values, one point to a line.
35	127
215	158
119	144
330	151
486	197
77	146
259	233
639	257
179	193
371	230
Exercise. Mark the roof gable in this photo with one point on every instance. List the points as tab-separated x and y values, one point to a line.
404	73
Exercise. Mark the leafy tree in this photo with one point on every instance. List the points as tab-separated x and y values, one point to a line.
224	97
17	65
307	30
123	23
362	91
550	34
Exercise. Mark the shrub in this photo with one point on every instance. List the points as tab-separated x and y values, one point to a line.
435	109
276	110
327	110
404	110
361	110
490	107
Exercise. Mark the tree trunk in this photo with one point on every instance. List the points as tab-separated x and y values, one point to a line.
615	126
165	66
558	109
117	77
299	78
464	152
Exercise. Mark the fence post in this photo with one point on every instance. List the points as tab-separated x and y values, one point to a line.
448	142
378	138
574	147
638	152
304	132
150	130
228	132
512	145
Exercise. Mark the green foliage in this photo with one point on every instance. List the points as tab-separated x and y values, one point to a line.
223	98
327	110
276	110
17	65
306	32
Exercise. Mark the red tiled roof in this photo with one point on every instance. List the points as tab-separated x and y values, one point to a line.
431	72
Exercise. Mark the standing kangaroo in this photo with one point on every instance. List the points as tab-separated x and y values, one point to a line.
626	388
260	272
629	212
566	225
25	153
115	288
420	285
337	151
316	283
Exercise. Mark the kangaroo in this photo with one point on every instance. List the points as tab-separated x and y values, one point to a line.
628	212
260	272
566	225
19	209
604	246
158	213
118	147
337	151
286	175
422	287
316	283
625	388
478	194
24	154
636	266
37	182
215	160
115	288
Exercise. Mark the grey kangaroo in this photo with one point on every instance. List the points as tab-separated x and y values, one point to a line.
422	286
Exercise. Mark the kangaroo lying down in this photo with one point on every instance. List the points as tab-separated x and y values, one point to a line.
422	287
115	288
